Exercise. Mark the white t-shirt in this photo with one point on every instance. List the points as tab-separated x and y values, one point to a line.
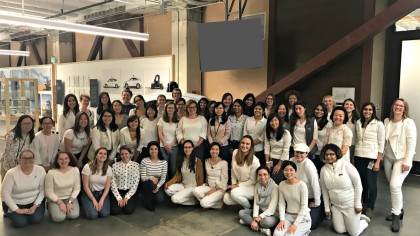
77	142
168	130
96	181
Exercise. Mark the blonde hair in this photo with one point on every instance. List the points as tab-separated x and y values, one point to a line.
332	99
405	113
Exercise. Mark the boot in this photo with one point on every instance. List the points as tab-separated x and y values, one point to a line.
389	218
395	226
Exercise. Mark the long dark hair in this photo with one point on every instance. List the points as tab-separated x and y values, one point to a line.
294	117
119	102
153	107
230	109
76	127
100	105
131	119
355	116
17	130
324	119
155	143
100	124
248	110
286	117
199	110
181	157
66	108
269	130
214	116
363	118
165	115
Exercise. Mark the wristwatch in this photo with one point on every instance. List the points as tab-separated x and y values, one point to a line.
70	201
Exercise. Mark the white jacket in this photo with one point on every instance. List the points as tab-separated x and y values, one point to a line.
109	140
403	141
370	140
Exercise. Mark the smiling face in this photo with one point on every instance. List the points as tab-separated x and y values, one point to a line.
319	113
139	102
151	113
300	156
258	111
85	102
338	117
188	148
263	177
282	111
180	106
26	125
107	118
274	123
161	100
154	151
245	145
104	99
102	155
214	151
227	101
63	160
300	111
26	160
328	103
349	106
292	99
219	110
125	155
367	112
133	124
203	104
116	106
398	108
170	109
249	101
289	172
83	121
237	108
126	97
269	100
47	125
330	156
211	108
71	102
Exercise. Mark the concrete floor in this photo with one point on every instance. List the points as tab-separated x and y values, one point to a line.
182	220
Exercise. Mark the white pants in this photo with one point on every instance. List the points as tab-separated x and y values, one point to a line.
214	200
347	221
396	177
181	195
239	195
303	228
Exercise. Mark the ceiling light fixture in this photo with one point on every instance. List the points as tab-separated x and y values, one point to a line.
71	27
14	53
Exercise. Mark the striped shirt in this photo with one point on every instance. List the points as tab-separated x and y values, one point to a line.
158	170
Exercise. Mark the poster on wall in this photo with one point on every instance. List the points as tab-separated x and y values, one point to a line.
111	81
43	75
45	104
133	80
156	79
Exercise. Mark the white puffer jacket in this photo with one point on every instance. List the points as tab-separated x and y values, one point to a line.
370	140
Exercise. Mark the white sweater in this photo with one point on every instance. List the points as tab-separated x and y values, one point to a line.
256	130
108	139
192	129
47	146
278	149
18	188
266	210
59	185
307	173
293	198
341	185
370	140
244	176
403	140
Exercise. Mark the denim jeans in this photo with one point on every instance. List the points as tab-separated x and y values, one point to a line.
21	220
368	177
171	159
90	211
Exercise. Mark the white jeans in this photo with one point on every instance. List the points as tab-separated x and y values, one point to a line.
396	177
214	200
303	228
181	195
347	221
239	195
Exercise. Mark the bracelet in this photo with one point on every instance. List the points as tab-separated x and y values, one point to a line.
267	162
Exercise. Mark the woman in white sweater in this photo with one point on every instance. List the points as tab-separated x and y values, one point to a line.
342	192
47	142
244	166
293	204
339	134
276	146
149	129
22	192
266	198
67	119
62	185
309	175
370	141
211	193
254	126
130	136
400	139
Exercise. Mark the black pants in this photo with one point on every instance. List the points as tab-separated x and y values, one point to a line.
368	177
127	209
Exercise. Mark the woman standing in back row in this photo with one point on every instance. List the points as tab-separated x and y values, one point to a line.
400	147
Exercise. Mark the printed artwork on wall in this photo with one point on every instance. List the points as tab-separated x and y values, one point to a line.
156	79
110	80
44	78
45	104
133	80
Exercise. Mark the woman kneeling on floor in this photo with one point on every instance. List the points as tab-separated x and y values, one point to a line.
266	196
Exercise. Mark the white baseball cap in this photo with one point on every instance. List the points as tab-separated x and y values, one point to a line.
301	147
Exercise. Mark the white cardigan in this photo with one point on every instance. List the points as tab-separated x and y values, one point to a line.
403	142
108	139
370	140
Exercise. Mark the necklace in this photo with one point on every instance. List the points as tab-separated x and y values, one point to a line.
212	163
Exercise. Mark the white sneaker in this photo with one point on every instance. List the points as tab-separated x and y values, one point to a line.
241	222
266	232
365	218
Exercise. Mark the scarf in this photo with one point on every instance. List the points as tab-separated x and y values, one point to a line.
264	193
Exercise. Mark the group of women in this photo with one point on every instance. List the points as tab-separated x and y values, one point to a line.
209	153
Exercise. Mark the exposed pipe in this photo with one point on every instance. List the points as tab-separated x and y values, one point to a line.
80	9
